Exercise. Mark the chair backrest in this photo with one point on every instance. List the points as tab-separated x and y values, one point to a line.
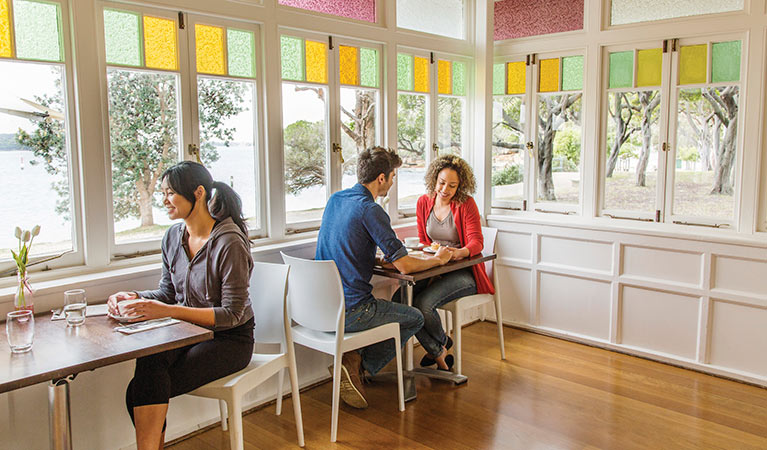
268	287
315	294
489	235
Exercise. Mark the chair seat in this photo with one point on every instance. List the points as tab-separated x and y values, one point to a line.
470	301
326	341
252	375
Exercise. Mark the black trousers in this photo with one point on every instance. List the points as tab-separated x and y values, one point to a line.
164	375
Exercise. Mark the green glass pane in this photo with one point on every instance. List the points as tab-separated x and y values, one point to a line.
726	61
38	30
459	78
369	67
622	69
292	56
122	37
241	49
499	79
572	73
404	72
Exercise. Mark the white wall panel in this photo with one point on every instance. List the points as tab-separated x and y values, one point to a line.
663	265
737	274
738	337
580	254
515	246
659	321
576	305
514	285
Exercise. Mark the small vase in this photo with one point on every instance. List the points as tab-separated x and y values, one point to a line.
24	298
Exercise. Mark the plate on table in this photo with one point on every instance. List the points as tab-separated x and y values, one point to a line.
429	249
415	247
122	319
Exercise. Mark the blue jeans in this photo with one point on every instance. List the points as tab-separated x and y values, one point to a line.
428	295
378	312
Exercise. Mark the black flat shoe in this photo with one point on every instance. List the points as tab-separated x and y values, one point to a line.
449	361
427	360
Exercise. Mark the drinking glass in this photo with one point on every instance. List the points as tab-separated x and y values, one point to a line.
20	328
74	307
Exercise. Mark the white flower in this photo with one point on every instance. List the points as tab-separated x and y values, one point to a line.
26	236
36	230
17	233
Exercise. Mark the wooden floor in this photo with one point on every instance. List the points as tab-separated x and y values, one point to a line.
549	393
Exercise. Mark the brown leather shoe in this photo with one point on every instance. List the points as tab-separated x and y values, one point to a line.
352	391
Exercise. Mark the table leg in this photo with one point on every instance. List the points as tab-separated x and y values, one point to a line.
58	414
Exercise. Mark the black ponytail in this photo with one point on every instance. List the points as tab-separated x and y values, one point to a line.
184	178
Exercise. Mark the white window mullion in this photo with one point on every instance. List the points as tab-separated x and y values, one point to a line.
190	117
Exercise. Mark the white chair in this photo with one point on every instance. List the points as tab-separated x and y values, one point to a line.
458	307
268	293
316	305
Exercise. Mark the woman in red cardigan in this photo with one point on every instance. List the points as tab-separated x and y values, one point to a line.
448	216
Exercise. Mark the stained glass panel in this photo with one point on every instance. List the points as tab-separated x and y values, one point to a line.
692	64
38	30
420	74
633	11
459	78
122	37
725	64
517	77
209	45
649	67
548	80
160	45
442	17
5	30
522	18
369	67
404	72
444	85
292	58
499	78
621	69
348	65
353	9
572	73
241	49
316	62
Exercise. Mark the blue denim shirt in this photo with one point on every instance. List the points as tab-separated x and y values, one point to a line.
352	225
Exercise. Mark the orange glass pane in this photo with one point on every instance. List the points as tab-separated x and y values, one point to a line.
548	80
209	45
160	45
316	62
348	65
444	85
420	74
692	64
5	30
516	77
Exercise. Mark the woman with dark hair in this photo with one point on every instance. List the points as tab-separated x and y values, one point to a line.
447	217
206	265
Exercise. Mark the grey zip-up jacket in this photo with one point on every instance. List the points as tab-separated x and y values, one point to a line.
217	277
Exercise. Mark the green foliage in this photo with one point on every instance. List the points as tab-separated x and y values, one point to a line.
567	145
219	100
687	154
507	175
411	125
304	155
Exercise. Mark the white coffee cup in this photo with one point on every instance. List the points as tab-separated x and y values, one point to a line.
412	242
125	303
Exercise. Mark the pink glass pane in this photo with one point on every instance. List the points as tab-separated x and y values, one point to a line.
353	9
522	18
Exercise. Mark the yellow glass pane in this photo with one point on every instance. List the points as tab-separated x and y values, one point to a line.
444	85
420	74
316	62
549	77
5	30
209	44
649	67
692	64
516	77
348	65
160	47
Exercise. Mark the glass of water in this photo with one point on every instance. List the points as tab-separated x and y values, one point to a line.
74	307
20	328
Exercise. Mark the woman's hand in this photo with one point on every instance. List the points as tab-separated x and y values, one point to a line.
459	253
148	309
114	299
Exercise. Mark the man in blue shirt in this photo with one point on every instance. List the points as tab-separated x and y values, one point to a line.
352	226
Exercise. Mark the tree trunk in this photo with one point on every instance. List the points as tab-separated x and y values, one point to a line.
545	157
649	102
723	170
621	133
144	204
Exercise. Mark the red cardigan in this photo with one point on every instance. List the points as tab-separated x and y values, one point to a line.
466	219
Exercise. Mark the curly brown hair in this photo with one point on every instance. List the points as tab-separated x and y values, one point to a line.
467	184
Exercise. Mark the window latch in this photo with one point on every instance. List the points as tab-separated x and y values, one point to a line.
337	149
435	148
195	150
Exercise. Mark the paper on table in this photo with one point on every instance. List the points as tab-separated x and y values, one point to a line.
90	311
146	325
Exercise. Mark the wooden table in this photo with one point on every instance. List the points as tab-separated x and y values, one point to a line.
59	353
407	281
